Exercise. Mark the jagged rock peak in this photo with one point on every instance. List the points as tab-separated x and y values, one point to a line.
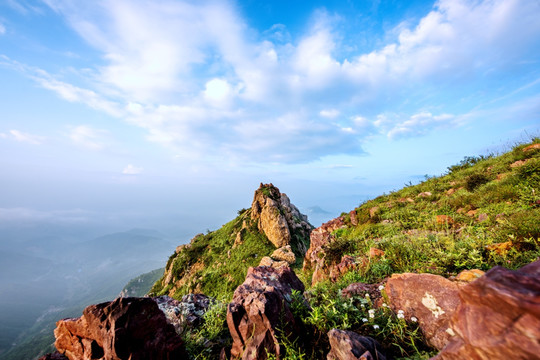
277	218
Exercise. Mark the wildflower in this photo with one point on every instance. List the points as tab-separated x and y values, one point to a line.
400	316
375	326
364	320
413	319
384	305
367	295
371	313
362	305
381	287
400	312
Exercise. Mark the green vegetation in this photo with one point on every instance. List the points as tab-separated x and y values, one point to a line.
142	284
491	208
216	263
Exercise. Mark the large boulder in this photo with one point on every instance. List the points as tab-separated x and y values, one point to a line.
348	345
259	307
126	328
278	219
499	317
315	258
187	313
432	299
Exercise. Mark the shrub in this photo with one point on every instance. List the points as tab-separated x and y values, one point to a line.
475	181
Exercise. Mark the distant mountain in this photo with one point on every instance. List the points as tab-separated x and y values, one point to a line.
142	284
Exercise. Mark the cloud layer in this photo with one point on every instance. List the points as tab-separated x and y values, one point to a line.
201	82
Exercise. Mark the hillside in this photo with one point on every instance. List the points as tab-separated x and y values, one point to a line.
216	263
448	268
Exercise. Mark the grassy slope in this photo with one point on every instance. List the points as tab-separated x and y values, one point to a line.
404	225
218	272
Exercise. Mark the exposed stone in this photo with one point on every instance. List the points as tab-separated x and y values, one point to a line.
450	191
348	345
347	263
277	218
432	299
187	313
354	217
499	317
374	252
444	220
531	147
126	328
518	163
469	275
268	261
360	289
471	212
374	211
284	254
258	307
482	217
424	194
500	248
315	255
405	200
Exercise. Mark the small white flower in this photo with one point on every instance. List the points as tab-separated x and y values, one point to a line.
400	312
400	316
364	320
381	287
384	305
413	319
362	305
367	295
375	326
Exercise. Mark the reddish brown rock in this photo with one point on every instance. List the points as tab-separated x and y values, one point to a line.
500	248
347	263
374	252
354	218
424	194
126	328
258	307
482	217
531	147
469	275
430	298
444	220
450	191
471	212
518	163
284	254
499	317
348	345
374	211
315	255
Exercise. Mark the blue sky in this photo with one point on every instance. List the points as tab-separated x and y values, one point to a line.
170	113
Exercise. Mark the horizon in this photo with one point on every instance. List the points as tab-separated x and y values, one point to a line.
167	115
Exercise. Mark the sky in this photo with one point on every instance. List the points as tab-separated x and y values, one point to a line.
168	114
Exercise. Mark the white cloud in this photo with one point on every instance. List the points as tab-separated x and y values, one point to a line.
2	29
417	124
25	137
88	137
200	81
330	113
3	136
132	170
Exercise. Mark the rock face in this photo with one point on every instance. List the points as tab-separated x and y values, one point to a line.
499	316
315	256
259	306
187	313
430	298
126	328
284	254
348	345
277	218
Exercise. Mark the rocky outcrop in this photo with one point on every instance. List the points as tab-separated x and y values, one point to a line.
278	219
284	254
320	238
259	306
499	317
432	299
187	313
348	345
268	261
126	328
